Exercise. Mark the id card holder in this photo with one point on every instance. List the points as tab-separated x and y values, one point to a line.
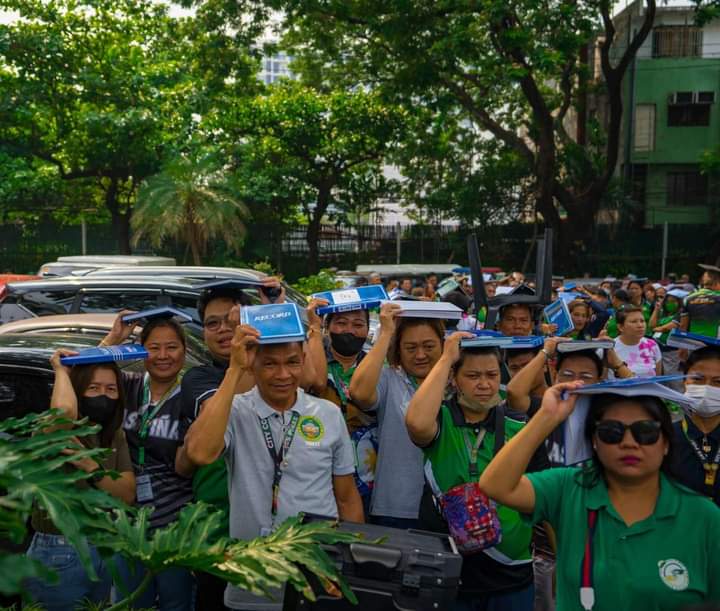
143	489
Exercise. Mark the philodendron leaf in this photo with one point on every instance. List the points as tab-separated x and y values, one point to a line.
14	568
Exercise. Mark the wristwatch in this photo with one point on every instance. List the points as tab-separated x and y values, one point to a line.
620	366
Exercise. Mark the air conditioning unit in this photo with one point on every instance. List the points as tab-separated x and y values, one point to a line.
704	97
681	97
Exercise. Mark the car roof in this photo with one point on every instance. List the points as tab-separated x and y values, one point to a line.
118	259
100	322
79	282
185	271
410	269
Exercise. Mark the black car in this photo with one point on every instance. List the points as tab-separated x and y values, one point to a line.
99	294
26	376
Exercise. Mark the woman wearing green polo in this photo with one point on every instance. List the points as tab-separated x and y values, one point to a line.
459	437
629	536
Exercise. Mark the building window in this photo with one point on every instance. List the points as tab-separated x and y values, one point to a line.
677	41
687	188
688	115
644	128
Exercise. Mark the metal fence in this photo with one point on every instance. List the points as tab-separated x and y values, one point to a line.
613	250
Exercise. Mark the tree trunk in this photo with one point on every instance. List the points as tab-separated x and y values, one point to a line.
120	220
197	259
313	231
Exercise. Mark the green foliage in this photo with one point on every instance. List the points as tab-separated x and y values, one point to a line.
35	472
190	200
317	283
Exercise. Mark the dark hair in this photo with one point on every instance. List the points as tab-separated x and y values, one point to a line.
624	312
235	295
158	323
405	323
622	295
511	354
579	302
588	354
466	352
329	317
599	404
81	376
640	284
516	305
701	354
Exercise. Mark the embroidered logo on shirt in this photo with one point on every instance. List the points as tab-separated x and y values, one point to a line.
311	428
674	574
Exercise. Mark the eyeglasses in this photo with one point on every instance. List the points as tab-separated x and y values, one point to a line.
645	432
214	324
570	376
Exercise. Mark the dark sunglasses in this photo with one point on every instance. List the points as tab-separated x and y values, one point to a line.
645	432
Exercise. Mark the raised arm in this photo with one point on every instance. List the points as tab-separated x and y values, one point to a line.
522	383
503	479
363	386
63	394
120	330
315	371
421	417
205	439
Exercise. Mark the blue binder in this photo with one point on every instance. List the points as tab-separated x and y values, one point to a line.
106	354
278	323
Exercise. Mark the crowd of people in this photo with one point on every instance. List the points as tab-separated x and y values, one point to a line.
400	431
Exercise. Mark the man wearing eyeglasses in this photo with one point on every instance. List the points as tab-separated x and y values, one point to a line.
219	311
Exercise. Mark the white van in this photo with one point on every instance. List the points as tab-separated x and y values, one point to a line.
65	266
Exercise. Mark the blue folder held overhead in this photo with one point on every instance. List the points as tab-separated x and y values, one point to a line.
278	323
164	312
690	341
106	354
347	300
504	342
557	313
576	448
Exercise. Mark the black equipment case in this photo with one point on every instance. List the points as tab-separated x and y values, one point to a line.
412	570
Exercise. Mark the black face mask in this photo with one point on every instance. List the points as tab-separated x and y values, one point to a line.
100	409
346	344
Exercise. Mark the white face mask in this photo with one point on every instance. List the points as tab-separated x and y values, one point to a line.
707	399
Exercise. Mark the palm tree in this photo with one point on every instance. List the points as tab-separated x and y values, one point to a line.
192	201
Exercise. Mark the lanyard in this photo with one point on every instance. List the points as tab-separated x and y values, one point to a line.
341	380
710	466
472	449
279	460
587	591
149	414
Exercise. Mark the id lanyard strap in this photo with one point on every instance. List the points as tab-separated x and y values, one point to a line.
587	590
279	460
473	449
150	414
710	466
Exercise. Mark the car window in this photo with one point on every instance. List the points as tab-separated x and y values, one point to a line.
22	393
114	301
185	303
44	303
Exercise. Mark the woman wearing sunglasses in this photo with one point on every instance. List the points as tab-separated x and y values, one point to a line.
629	537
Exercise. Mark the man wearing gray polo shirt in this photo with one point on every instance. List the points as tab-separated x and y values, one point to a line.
275	437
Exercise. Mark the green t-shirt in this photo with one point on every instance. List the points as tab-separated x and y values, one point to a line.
668	561
211	486
447	464
703	309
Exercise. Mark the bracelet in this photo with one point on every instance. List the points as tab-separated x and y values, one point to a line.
548	356
619	367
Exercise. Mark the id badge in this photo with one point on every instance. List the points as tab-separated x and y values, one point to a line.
143	488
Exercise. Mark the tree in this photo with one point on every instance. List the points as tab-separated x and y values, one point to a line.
315	145
97	91
516	69
193	201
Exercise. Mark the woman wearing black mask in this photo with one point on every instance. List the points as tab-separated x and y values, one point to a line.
347	333
93	392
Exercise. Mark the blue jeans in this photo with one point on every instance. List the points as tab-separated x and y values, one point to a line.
171	590
521	600
74	585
